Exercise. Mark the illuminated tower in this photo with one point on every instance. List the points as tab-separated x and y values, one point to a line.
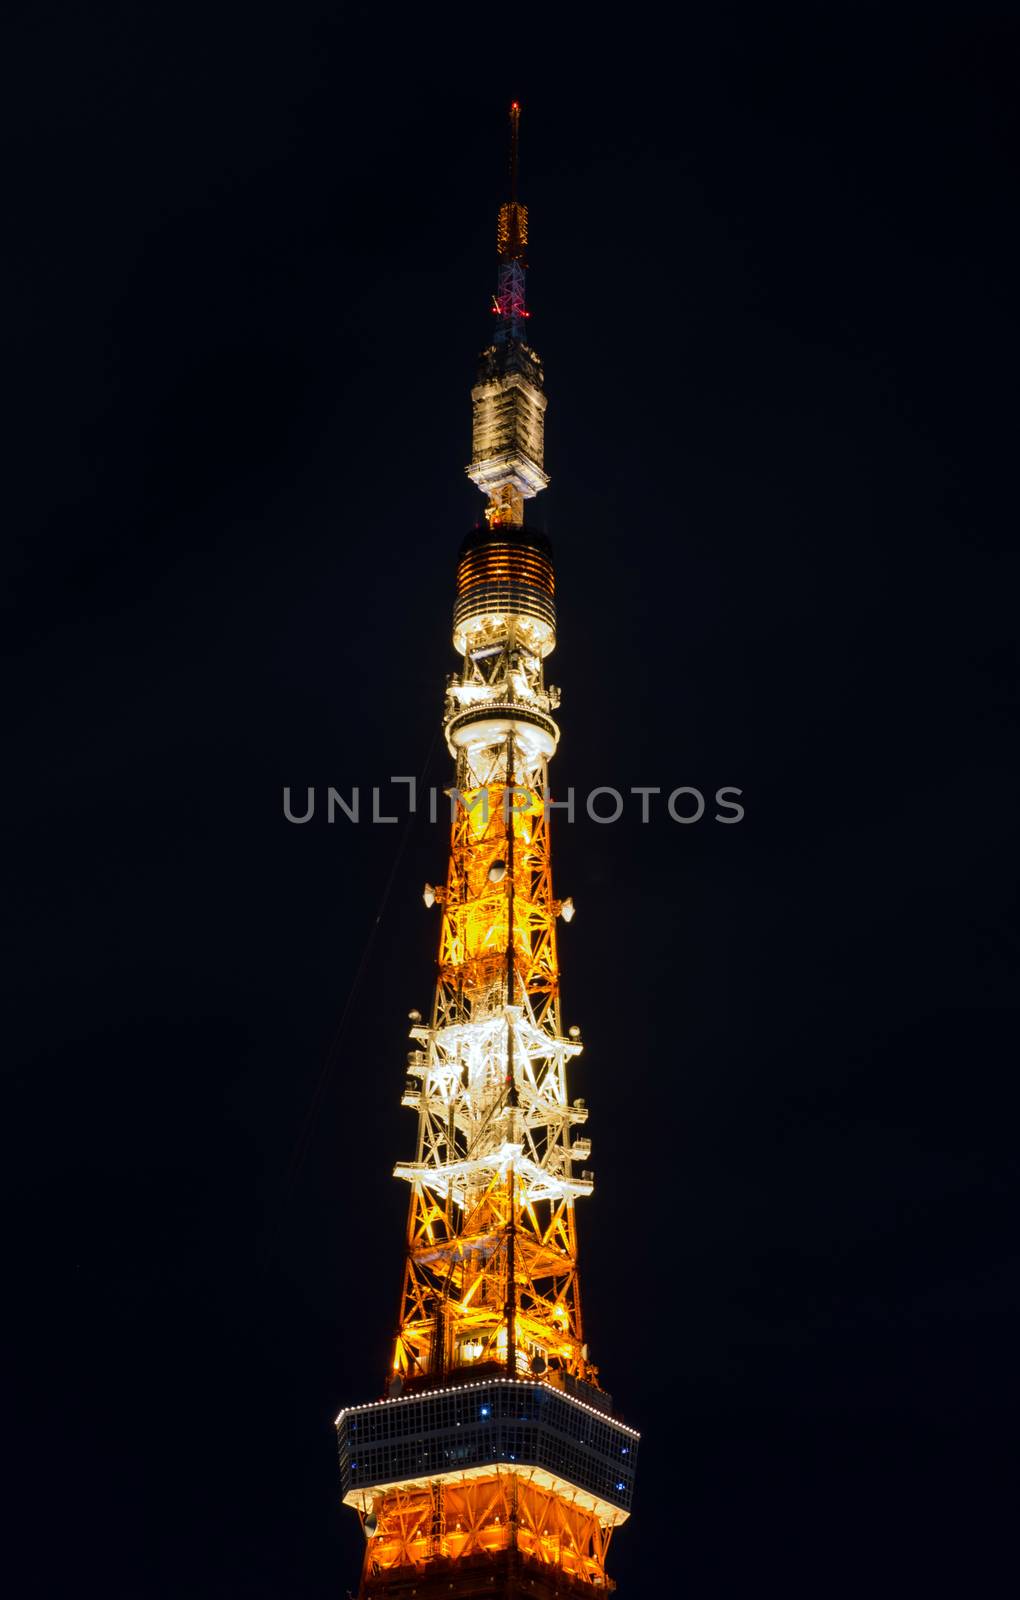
494	1465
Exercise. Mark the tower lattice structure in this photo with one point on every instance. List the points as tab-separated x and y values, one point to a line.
495	1463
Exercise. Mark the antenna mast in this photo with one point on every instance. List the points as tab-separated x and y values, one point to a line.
508	402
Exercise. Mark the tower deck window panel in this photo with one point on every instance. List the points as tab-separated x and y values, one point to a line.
448	1433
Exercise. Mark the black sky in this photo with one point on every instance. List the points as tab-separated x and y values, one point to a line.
246	273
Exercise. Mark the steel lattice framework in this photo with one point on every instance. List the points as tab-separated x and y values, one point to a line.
488	1517
494	1168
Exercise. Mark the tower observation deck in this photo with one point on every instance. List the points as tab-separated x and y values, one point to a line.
494	1463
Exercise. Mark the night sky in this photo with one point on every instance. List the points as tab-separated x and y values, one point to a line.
247	266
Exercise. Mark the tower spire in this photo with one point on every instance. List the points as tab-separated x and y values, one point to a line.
515	130
508	433
511	240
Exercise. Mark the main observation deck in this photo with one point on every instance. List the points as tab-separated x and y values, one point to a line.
467	1430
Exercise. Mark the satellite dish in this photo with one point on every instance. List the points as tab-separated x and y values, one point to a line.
370	1525
538	1365
497	872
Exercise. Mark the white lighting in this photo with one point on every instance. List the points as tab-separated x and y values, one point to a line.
485	1383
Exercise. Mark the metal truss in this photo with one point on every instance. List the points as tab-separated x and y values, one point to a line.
491	1267
480	1517
508	301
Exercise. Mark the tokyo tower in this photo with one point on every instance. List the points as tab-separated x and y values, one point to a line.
494	1463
